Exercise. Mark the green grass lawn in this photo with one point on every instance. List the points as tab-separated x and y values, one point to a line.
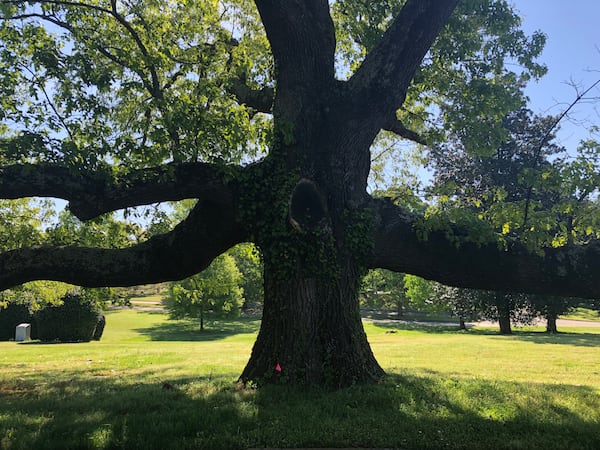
154	383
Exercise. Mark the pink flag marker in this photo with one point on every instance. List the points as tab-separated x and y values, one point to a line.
278	368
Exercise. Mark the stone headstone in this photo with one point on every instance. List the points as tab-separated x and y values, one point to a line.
23	332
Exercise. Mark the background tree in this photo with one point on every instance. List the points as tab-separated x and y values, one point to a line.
246	255
247	260
104	231
215	292
475	304
384	290
420	292
550	307
462	303
22	222
498	188
528	189
266	112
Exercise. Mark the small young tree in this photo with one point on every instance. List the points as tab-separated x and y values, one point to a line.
215	291
419	292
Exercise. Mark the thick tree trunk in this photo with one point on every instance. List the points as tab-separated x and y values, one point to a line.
461	324
311	331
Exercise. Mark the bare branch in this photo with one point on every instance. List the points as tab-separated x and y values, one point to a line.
538	150
397	127
92	194
572	270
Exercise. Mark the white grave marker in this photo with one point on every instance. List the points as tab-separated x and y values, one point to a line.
23	332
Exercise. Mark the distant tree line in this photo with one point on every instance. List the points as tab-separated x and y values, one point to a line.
390	291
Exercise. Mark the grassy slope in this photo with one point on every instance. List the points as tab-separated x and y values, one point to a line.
583	314
446	389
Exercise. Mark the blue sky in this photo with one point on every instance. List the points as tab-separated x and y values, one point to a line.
572	53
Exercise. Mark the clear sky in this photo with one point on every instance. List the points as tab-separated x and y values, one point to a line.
572	53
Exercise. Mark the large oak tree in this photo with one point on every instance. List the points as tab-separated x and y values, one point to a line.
267	113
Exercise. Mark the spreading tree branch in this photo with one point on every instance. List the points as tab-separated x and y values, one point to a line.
92	194
209	230
572	270
381	82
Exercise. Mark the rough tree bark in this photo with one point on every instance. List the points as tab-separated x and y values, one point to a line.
305	205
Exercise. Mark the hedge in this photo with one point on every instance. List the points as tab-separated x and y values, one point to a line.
73	321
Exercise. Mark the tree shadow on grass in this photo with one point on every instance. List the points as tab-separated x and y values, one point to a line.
429	327
537	337
563	338
187	330
404	411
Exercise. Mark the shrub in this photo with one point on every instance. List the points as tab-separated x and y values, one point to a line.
73	321
11	316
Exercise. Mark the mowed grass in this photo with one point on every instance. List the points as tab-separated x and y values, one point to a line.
151	383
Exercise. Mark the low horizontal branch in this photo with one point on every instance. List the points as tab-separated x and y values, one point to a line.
572	270
189	248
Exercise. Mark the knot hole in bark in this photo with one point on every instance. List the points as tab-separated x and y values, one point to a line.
307	210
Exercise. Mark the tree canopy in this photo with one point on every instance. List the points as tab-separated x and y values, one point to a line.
269	114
